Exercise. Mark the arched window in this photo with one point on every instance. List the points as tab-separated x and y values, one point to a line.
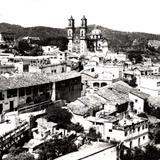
82	33
103	84
28	100
96	84
69	33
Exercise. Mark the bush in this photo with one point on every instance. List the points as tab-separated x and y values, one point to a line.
93	135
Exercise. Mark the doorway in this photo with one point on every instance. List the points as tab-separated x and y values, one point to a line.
1	108
11	106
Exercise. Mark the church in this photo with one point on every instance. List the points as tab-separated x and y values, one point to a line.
82	42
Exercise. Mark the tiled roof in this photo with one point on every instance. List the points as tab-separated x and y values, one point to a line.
91	100
22	80
115	93
31	79
121	86
140	94
64	76
83	104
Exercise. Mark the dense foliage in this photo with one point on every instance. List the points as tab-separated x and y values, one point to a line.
59	115
148	153
93	135
20	156
55	148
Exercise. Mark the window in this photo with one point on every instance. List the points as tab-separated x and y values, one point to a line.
86	82
108	138
110	130
158	84
28	90
62	69
35	90
143	137
146	126
22	92
143	127
11	93
136	100
1	96
41	88
103	84
125	133
138	129
96	84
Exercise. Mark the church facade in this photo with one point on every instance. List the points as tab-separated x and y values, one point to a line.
80	41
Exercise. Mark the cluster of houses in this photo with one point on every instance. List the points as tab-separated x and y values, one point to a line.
97	96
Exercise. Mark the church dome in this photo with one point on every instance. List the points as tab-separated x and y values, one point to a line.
96	32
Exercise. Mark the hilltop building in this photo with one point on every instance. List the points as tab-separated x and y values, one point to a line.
84	41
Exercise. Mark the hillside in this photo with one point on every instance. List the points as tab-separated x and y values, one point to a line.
117	40
40	31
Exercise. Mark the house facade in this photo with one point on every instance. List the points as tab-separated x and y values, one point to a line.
131	130
139	100
21	90
150	84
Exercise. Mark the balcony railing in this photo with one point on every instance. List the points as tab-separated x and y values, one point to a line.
34	107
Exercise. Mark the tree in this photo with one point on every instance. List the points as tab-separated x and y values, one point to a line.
21	156
76	127
138	154
59	115
15	150
143	115
151	153
36	51
55	148
157	137
23	46
93	134
135	56
47	150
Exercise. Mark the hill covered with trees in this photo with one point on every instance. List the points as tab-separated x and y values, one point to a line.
129	42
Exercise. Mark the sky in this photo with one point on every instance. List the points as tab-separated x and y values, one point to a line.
123	15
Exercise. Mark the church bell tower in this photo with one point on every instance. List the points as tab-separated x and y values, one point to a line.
83	35
70	32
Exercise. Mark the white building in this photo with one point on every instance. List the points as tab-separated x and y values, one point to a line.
116	56
48	68
150	84
55	53
139	100
131	130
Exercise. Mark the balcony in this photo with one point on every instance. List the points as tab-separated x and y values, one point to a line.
34	107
